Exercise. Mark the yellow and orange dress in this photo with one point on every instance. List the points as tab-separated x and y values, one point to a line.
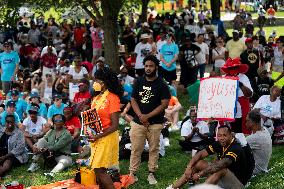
105	150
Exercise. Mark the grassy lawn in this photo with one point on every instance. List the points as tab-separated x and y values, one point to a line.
170	168
268	30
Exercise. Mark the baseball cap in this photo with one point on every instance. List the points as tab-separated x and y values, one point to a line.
15	92
236	31
34	95
11	103
33	109
57	96
248	40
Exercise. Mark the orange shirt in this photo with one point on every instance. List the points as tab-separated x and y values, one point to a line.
111	105
173	101
271	11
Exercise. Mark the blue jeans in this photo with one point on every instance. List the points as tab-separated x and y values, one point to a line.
201	68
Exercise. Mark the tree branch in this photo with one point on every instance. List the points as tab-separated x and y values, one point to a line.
88	11
95	8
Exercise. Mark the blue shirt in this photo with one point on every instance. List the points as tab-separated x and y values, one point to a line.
127	88
52	110
3	118
8	62
168	51
42	110
21	106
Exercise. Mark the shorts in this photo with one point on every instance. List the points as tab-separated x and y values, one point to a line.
97	53
169	76
230	181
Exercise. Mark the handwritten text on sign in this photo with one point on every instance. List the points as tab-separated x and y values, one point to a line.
90	122
217	98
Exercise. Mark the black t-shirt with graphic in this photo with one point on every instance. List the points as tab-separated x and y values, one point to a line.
148	95
243	163
252	59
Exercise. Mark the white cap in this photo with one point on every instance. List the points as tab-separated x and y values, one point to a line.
145	24
144	36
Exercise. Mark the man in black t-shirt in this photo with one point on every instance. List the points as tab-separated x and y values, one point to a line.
150	98
188	62
253	58
262	85
233	168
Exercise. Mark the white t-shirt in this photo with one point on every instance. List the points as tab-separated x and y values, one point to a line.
142	50
76	75
278	57
268	108
244	79
217	52
201	56
187	128
160	43
128	79
34	128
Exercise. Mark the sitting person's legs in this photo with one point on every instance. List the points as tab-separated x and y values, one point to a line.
200	165
62	163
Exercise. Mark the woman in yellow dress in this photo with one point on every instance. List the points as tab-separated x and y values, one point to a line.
105	146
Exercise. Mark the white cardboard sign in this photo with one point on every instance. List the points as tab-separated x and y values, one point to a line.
217	98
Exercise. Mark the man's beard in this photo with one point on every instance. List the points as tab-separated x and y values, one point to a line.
152	74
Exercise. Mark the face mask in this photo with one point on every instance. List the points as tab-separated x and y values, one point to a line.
97	87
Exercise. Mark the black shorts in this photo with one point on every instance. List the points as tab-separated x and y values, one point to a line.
169	76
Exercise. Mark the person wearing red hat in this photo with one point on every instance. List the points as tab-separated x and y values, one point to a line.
253	58
234	68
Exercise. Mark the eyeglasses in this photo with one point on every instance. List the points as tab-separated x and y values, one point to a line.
9	121
47	75
58	121
57	99
6	46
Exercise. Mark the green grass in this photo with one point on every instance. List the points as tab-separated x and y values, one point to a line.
268	30
170	168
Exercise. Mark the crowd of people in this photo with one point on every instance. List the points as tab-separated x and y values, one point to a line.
52	72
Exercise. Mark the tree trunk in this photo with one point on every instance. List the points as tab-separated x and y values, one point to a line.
144	10
215	7
110	44
109	25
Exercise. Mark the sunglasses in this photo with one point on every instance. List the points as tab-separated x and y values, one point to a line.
58	121
9	121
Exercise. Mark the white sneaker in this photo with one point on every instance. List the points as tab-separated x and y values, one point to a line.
33	167
134	176
166	142
170	187
151	179
50	175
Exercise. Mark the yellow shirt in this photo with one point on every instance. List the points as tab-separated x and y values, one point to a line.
235	48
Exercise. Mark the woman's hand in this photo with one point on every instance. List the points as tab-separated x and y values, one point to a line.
93	138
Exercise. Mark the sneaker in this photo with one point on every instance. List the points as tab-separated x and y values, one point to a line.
166	141
134	176
50	175
151	179
33	167
170	187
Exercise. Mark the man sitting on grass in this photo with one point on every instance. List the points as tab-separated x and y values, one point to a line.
233	168
259	141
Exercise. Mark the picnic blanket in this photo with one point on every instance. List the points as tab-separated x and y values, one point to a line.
125	181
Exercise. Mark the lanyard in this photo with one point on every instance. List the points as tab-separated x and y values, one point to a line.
225	149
